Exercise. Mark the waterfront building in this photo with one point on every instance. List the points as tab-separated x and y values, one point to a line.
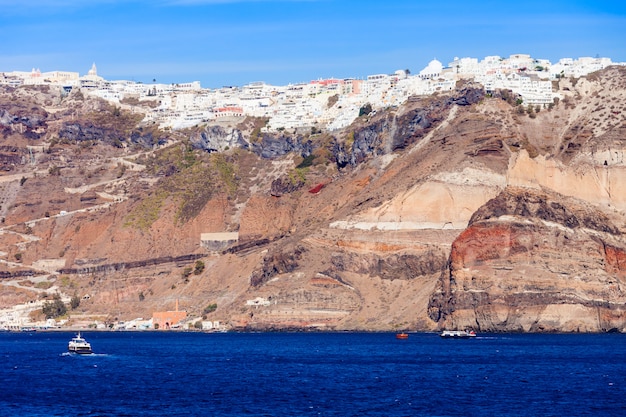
168	319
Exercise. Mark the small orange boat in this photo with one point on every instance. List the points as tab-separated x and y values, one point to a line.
402	335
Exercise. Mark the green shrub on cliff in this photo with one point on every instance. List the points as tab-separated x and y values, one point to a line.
209	309
199	267
54	309
75	302
190	178
306	162
226	170
144	214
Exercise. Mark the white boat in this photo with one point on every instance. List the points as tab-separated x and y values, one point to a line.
79	345
459	334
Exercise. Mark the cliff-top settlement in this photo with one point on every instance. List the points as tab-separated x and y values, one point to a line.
326	103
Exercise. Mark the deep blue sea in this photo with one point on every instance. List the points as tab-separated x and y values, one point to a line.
312	374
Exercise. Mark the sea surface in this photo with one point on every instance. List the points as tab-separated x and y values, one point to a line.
312	374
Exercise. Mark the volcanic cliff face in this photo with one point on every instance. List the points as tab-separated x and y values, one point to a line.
451	211
534	261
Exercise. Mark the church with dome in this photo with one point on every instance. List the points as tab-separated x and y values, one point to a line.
92	74
432	70
92	80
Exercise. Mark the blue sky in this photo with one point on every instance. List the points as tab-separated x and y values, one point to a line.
234	42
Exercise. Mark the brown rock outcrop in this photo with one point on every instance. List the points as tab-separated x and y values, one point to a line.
534	261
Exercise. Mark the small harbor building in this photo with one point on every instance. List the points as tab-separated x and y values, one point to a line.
167	319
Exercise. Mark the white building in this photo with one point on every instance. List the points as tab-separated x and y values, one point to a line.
259	301
465	67
302	105
568	67
211	325
432	70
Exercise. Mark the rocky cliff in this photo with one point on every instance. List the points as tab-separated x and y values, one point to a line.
534	261
458	210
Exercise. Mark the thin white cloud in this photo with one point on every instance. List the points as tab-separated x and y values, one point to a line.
45	6
210	2
33	5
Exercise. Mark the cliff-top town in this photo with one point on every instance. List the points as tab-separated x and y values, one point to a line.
303	105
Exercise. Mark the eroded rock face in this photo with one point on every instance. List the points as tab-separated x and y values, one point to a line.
279	262
530	203
77	132
285	185
31	118
272	146
10	157
29	121
216	138
405	266
532	261
391	132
